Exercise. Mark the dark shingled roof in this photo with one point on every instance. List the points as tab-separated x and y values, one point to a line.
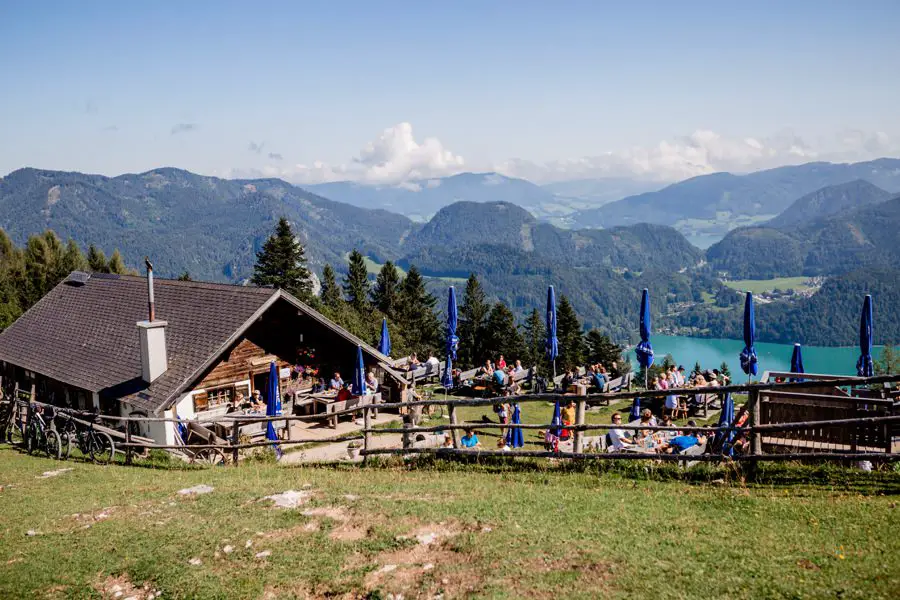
86	335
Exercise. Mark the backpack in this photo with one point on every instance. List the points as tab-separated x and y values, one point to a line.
540	385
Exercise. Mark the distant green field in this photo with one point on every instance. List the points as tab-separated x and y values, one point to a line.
758	286
373	268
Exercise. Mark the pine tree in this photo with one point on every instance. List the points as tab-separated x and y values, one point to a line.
501	336
697	369
889	363
570	336
117	265
72	259
473	315
330	294
282	263
535	339
185	277
97	260
420	325
386	291
724	370
356	283
601	349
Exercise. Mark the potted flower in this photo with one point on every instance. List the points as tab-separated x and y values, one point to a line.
353	449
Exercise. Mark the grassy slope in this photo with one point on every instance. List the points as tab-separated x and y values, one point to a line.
579	534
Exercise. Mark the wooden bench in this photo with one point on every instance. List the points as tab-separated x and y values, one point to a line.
339	405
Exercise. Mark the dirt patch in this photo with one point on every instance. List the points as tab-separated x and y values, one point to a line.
122	588
809	565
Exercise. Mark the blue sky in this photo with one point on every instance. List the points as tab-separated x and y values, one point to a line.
315	91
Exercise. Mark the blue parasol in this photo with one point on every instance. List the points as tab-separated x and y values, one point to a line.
452	339
635	410
644	350
552	344
864	366
797	362
556	422
514	437
384	346
726	419
273	405
358	387
749	361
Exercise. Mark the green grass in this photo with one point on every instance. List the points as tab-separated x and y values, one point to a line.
373	268
758	286
506	530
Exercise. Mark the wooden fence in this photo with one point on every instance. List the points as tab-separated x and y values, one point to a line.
786	423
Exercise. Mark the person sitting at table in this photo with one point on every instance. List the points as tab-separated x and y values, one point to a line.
486	370
519	368
448	441
433	361
567	380
740	420
413	362
470	440
598	377
344	393
680	443
499	377
256	404
371	383
239	402
667	422
568	418
336	382
319	386
618	439
514	388
501	362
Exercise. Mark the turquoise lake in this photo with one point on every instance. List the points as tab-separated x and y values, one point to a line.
772	357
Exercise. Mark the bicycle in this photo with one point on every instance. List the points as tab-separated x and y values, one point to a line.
434	411
96	444
40	437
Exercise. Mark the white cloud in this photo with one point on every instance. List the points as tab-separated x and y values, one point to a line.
395	158
705	152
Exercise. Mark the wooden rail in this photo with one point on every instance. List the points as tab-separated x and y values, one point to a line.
755	430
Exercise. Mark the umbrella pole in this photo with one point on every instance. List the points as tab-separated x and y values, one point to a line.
554	374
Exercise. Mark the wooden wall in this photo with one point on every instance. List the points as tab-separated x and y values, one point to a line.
238	365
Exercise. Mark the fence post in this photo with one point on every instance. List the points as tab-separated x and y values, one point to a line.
127	443
578	442
755	436
367	423
453	421
235	440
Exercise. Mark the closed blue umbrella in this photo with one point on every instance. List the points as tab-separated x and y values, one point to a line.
556	422
864	366
644	350
749	360
273	405
358	387
797	362
384	346
514	437
452	339
552	344
635	410
724	438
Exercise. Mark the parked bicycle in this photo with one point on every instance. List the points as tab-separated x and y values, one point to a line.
98	445
39	436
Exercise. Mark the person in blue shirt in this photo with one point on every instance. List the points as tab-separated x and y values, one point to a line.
499	377
682	442
336	382
469	440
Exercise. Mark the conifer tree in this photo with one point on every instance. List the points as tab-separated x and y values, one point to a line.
889	363
185	276
501	336
535	338
72	259
282	263
570	335
420	325
386	292
97	260
724	370
473	315
330	294
601	349
116	264
356	283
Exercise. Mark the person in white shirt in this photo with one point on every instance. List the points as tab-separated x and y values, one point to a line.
619	440
371	383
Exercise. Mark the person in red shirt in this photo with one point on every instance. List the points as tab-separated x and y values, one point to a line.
501	364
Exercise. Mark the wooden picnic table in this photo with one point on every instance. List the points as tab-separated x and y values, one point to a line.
326	403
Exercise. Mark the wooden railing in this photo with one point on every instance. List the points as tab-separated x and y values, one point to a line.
761	430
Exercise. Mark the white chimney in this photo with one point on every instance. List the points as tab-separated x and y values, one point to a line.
154	361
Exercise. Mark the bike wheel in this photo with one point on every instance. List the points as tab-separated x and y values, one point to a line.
65	444
208	456
53	445
101	447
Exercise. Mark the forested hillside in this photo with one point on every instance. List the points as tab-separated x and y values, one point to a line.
828	318
866	236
